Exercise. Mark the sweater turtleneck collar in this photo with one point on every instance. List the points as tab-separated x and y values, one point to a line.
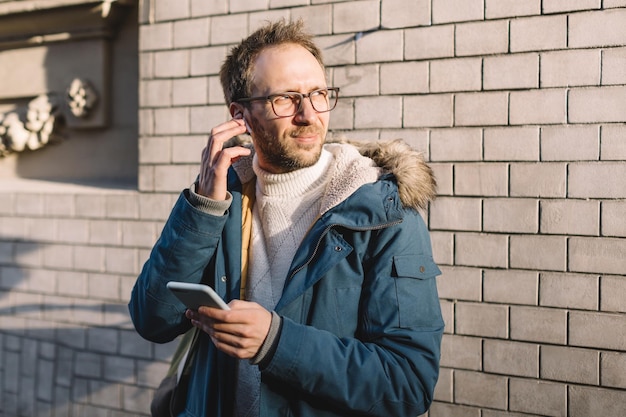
295	183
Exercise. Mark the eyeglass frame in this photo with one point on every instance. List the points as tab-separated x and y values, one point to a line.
271	97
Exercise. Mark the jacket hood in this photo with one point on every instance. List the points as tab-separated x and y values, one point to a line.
416	182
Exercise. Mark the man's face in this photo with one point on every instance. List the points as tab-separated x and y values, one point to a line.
284	144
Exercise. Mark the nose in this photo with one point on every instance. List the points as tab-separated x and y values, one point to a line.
306	114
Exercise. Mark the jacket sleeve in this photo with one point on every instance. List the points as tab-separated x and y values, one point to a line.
391	365
187	243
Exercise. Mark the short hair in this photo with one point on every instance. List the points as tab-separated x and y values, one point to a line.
236	71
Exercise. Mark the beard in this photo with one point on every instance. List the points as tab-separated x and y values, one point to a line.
284	154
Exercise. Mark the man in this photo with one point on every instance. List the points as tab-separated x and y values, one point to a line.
341	315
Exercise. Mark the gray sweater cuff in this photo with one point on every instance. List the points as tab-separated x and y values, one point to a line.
207	205
272	334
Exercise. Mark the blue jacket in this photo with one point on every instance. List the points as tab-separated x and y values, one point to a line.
361	320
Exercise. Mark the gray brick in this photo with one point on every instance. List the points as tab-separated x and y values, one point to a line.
473	249
593	105
537	397
429	42
538	180
483	179
597	255
173	178
461	352
452	410
613	369
338	49
356	16
172	121
614	66
403	13
497	286
474	319
105	232
435	110
538	252
205	8
191	33
357	80
154	150
168	64
203	119
597	330
589	401
613	294
190	91
404	78
556	6
62	205
511	71
447	310
30	204
511	358
123	206
495	9
573	217
458	74
538	107
171	9
119	369
481	109
103	286
570	143
89	258
72	283
155	93
204	61
449	213
597	28
227	29
150	373
381	46
570	364
480	389
511	144
155	206
512	215
457	10
368	114
569	291
606	181
444	175
482	38
155	37
442	243
458	283
458	144
538	33
612	144
570	68
88	365
534	324
444	388
317	19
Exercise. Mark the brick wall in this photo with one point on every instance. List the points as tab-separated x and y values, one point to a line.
520	107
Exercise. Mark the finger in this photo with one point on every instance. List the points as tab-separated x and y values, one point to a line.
222	133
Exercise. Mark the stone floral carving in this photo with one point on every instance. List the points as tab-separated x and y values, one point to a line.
81	97
29	128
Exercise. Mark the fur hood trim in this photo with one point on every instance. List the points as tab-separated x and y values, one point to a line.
416	182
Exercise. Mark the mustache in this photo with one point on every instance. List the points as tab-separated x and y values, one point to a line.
304	131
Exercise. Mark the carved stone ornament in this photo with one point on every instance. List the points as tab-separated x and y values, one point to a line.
31	127
81	98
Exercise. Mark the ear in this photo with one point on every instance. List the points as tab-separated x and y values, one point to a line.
236	110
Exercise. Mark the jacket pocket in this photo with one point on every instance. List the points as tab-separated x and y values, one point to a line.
416	291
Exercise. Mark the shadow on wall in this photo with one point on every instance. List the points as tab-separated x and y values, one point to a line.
101	147
68	353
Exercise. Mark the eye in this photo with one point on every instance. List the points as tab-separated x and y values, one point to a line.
284	99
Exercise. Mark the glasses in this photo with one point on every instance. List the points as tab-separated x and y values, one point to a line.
290	103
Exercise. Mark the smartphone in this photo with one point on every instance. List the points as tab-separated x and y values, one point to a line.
196	295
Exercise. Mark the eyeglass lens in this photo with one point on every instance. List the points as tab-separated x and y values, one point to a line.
288	104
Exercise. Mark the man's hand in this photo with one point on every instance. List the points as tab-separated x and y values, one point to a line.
216	160
238	332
